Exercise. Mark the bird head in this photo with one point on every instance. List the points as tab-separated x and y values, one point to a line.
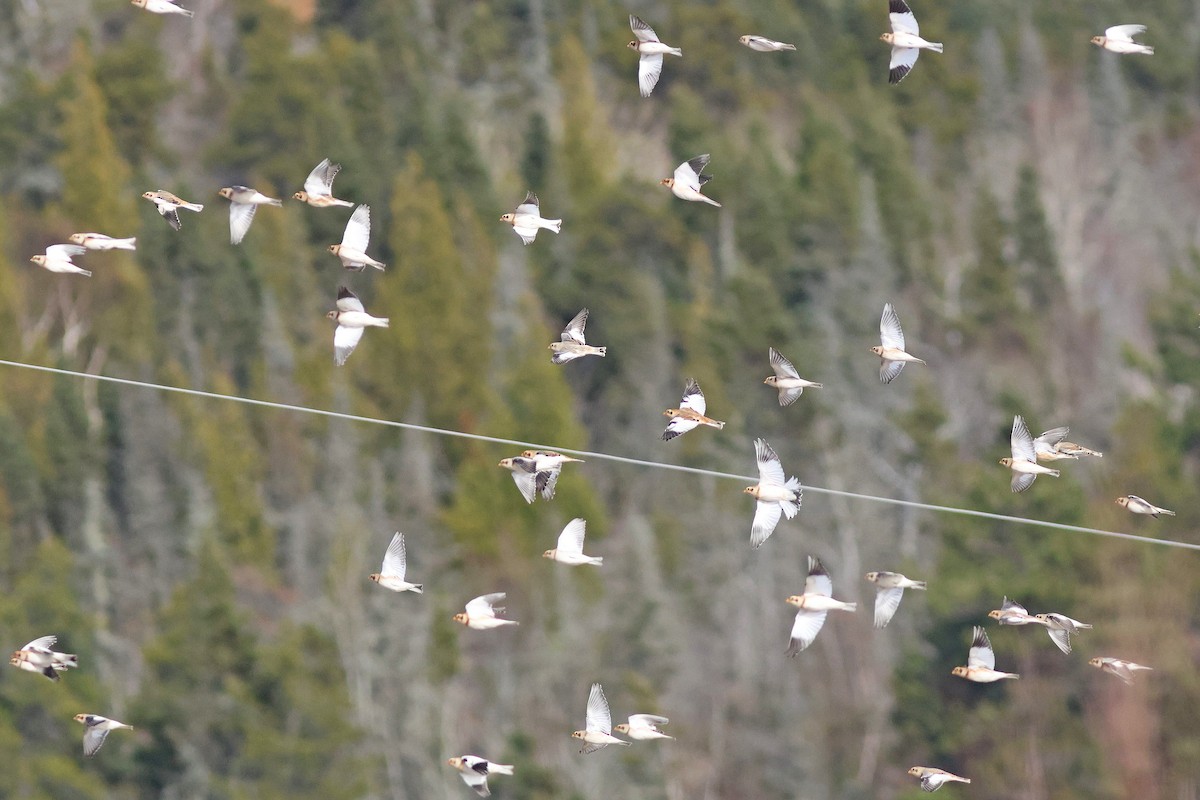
460	617
78	238
301	196
335	248
550	553
886	37
529	454
509	218
1040	617
375	576
744	39
332	314
632	45
668	182
916	771
39	260
1099	40
455	762
796	600
996	614
751	490
877	350
227	193
959	671
1006	462
771	380
1096	662
146	195
16	659
139	3
872	576
578	734
671	412
1121	501
82	718
506	462
622	728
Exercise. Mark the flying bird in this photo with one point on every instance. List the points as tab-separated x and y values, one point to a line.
38	657
1012	613
318	187
764	45
774	494
688	180
162	7
353	249
1060	628
395	565
351	319
597	727
243	202
690	413
57	258
481	613
572	344
981	661
570	546
891	349
1139	506
95	730
529	479
1119	39
98	241
1072	449
1115	666
527	220
786	379
891	586
1024	458
168	205
905	40
475	770
548	459
1045	446
932	778
643	726
816	602
650	64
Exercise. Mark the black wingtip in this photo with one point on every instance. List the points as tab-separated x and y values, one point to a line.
898	74
898	7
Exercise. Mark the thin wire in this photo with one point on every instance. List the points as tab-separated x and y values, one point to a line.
970	512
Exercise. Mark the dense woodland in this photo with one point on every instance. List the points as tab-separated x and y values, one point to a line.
1027	201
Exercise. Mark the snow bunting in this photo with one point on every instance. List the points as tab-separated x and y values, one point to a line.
570	546
1060	628
690	413
57	258
1115	666
529	479
38	657
98	241
905	40
1072	449
891	586
243	202
95	731
597	732
351	319
527	219
572	344
813	605
981	661
1139	506
775	495
1024	459
168	205
162	7
475	771
353	249
643	726
1119	39
548	459
481	613
652	51
1046	445
395	564
318	187
786	379
688	180
1012	613
891	349
764	45
932	778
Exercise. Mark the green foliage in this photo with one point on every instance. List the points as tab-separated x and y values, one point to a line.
69	458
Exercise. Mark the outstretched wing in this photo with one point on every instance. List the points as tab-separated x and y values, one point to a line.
395	560
599	718
574	330
570	541
981	653
320	180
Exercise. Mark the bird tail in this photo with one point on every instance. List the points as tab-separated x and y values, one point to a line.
787	46
790	509
793	483
678	51
344	203
276	203
1147	49
1168	513
500	769
597	560
86	273
710	201
553	225
417	588
716	423
382	322
197	207
188	13
919	585
125	244
66	660
850	606
600	351
1053	473
935	47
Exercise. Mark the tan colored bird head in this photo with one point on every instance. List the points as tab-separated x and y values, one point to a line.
771	380
505	462
78	238
550	553
744	39
1099	40
335	248
751	490
302	196
872	576
1040	617
1121	501
460	617
455	762
796	600
139	4
509	218
375	576
1006	462
671	412
996	613
578	734
886	37
227	193
147	195
39	260
81	718
16	659
332	314
877	350
622	728
959	671
916	771
1096	662
632	45
668	182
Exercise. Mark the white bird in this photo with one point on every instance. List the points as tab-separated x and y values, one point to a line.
353	249
527	220
905	40
597	727
643	726
1046	445
395	565
816	602
786	379
38	657
1024	458
1119	39
573	345
650	64
1060	628
481	613
162	7
318	187
932	778
95	730
1139	506
57	258
981	661
243	202
570	546
764	45
1012	613
891	586
475	770
689	179
98	241
891	350
351	320
774	494
529	479
1115	666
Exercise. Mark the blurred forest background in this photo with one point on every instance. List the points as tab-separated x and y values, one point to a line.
1027	201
